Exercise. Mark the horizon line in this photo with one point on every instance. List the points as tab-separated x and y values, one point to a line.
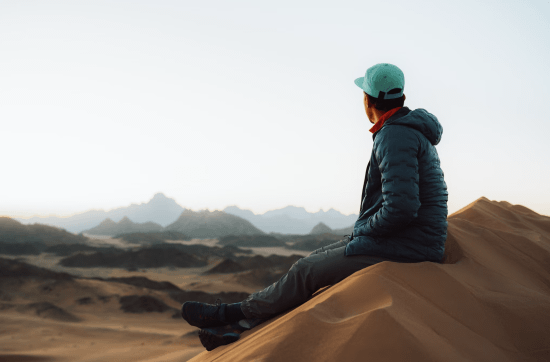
65	216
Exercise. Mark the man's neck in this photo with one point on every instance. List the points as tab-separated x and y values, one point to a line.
376	115
381	118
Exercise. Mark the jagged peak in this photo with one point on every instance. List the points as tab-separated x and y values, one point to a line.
162	199
125	220
159	196
107	221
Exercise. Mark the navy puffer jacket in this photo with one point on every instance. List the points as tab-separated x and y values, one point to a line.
404	203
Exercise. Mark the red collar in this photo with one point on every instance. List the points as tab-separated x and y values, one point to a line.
383	119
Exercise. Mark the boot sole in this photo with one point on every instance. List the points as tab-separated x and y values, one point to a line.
211	341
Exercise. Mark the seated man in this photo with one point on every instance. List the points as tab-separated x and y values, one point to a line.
403	214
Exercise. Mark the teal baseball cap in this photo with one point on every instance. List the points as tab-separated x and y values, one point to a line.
382	81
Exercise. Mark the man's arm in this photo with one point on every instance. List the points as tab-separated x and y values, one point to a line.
397	158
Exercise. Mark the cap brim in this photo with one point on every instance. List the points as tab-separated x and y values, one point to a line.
359	82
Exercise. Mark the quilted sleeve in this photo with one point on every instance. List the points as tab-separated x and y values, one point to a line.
396	153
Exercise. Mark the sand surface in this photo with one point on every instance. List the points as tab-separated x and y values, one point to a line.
489	301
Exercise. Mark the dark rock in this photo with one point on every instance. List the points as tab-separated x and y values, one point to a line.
46	288
104	298
4	306
21	248
145	283
236	250
84	301
142	304
226	266
17	269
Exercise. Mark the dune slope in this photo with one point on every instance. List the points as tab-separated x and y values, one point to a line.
489	301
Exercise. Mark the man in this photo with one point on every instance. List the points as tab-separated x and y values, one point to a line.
402	218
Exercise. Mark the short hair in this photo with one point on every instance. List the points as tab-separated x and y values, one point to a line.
387	104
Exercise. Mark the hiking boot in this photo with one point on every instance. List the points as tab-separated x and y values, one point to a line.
211	340
204	315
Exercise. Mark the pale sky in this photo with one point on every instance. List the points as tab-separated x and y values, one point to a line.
252	103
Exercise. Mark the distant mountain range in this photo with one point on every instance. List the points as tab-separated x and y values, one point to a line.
160	209
163	213
124	226
294	220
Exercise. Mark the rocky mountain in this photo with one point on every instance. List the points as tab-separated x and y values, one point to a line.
160	209
124	226
215	224
320	228
294	220
13	232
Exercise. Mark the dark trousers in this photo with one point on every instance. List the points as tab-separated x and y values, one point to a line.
325	266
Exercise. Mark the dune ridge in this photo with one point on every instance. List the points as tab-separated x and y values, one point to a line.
488	301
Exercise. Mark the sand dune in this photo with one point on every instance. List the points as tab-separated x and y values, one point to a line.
489	301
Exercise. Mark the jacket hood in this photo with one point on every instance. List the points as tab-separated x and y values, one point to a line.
419	119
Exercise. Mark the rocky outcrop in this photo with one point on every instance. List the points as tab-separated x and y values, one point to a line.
125	226
215	224
320	228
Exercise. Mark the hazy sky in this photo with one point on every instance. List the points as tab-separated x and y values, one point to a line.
252	103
